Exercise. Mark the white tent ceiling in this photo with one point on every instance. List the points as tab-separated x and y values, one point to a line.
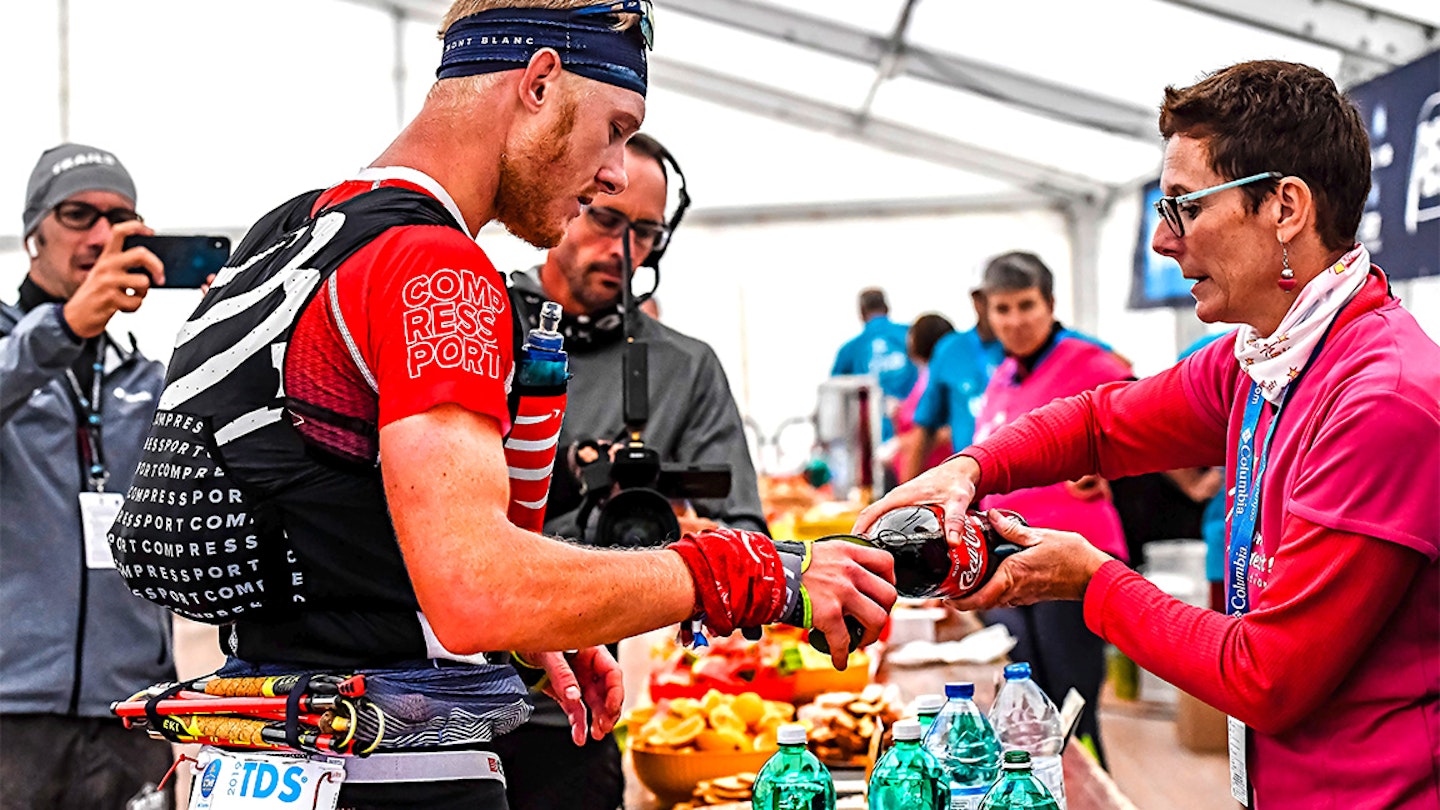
1048	100
848	105
829	144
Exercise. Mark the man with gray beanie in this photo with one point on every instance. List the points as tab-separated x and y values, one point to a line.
75	406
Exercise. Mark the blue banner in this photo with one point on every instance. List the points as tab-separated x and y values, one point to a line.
1157	281
1401	223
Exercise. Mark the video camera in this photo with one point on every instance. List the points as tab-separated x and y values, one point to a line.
626	480
633	490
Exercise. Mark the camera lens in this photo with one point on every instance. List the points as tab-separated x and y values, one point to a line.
636	518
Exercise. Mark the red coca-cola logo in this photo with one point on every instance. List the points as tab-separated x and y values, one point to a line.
969	563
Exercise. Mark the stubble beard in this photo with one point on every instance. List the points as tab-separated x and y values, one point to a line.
525	195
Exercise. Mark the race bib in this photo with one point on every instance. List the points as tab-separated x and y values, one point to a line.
97	515
235	780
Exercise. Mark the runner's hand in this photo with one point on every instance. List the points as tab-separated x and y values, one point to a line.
848	579
585	683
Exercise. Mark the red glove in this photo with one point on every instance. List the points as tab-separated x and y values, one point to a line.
739	578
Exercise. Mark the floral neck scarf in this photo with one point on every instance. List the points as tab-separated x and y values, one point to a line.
1274	362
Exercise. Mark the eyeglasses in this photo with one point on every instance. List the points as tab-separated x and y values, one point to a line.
79	216
1170	208
612	223
644	8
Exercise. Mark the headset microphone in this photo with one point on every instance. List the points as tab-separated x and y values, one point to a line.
651	146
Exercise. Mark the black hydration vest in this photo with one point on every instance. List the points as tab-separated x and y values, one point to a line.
233	517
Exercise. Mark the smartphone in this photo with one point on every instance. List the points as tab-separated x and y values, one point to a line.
188	260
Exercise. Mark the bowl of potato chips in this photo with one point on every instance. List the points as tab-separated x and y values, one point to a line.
676	744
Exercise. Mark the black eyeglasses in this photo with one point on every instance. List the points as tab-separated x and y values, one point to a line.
1171	208
647	233
79	216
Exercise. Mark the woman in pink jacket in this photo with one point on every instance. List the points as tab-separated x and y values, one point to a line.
1325	408
1044	361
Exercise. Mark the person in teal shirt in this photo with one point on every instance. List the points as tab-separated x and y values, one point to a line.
960	370
879	350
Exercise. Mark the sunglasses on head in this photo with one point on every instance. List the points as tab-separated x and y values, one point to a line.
644	8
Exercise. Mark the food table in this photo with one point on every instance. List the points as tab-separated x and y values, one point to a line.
1087	786
797	511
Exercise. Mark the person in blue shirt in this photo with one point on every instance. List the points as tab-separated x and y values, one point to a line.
960	369
879	350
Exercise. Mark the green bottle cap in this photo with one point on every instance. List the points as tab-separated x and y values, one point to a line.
1017	760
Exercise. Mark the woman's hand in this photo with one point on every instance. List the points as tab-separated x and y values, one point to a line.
1053	566
951	485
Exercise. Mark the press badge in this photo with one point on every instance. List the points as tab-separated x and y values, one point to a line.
236	780
1239	777
97	515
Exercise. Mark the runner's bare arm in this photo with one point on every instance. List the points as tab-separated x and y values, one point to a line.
485	584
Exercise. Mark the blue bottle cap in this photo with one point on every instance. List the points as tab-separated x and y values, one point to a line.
963	689
1015	672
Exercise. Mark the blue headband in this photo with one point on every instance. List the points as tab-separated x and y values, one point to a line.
506	38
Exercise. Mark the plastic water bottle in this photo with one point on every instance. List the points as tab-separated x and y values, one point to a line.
926	707
793	779
1018	789
927	564
908	777
1026	720
961	738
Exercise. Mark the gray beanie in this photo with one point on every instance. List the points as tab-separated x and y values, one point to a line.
69	169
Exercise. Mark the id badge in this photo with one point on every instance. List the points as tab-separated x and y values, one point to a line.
1239	777
246	780
97	515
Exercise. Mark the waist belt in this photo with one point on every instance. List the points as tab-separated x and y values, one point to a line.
423	766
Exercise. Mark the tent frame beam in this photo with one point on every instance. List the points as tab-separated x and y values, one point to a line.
1045	181
1065	103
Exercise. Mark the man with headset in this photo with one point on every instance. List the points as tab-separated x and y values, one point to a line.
692	419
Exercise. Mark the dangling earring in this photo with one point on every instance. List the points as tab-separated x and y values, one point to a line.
1287	276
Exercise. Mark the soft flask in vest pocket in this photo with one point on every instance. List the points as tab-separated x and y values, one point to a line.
541	373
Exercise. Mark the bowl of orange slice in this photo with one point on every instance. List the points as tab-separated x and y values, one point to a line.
676	744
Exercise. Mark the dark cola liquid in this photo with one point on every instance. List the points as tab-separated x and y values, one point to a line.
927	565
915	537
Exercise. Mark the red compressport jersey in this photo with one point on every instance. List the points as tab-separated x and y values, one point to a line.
424	320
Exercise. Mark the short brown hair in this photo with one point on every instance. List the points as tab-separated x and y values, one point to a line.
1280	116
926	332
872	302
1016	271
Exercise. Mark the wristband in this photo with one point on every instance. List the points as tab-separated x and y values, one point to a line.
519	659
795	557
739	578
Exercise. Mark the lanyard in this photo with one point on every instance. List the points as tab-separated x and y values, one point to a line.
1249	471
89	411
